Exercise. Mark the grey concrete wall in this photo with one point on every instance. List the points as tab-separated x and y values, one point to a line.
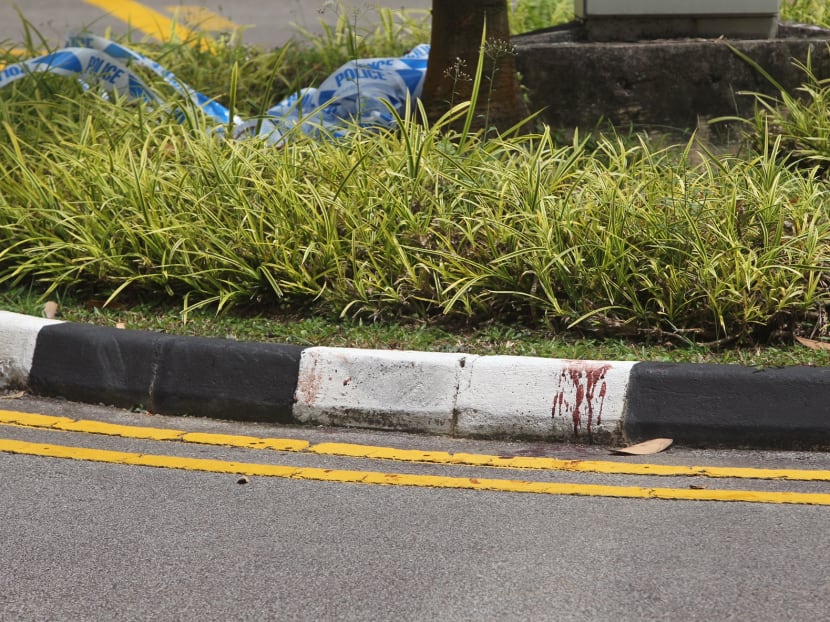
660	83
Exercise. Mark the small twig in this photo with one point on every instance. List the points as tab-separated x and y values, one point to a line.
821	321
677	334
718	342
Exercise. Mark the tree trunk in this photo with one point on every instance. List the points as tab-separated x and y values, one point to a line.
454	55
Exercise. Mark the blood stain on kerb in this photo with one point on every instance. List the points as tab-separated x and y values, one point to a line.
581	394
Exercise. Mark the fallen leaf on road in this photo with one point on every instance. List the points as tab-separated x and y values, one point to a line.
654	446
50	310
13	396
812	344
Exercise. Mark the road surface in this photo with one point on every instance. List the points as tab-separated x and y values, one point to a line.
88	538
263	22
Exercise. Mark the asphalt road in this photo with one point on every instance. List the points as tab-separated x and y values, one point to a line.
84	540
265	22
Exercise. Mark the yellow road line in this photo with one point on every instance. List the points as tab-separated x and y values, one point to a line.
397	479
65	424
555	464
20	53
202	18
149	21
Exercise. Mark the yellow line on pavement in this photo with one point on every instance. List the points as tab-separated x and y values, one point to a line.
20	54
555	464
202	18
398	479
65	424
149	21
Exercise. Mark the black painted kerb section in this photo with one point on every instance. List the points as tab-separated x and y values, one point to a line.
166	374
729	405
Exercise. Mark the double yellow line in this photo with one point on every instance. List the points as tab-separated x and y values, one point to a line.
65	424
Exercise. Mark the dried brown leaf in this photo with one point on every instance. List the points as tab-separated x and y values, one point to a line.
653	446
13	396
50	310
812	344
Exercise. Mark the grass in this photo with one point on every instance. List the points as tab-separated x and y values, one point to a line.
805	11
420	238
273	326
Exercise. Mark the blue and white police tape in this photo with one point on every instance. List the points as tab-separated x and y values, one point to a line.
86	65
352	95
357	94
117	51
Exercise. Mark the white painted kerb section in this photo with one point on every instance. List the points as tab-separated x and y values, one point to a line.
18	337
541	398
381	389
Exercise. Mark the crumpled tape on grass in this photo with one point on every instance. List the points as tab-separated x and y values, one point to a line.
357	94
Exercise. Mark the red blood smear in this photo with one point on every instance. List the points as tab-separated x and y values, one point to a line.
584	378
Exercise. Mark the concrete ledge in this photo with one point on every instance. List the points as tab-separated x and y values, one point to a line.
639	27
165	373
95	364
542	398
439	393
729	405
387	390
246	381
666	84
18	338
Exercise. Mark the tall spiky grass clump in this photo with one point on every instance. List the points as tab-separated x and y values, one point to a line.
610	234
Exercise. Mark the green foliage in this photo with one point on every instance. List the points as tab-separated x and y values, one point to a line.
799	120
611	235
805	11
527	15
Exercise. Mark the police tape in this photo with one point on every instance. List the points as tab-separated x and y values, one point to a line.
84	64
360	93
117	51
